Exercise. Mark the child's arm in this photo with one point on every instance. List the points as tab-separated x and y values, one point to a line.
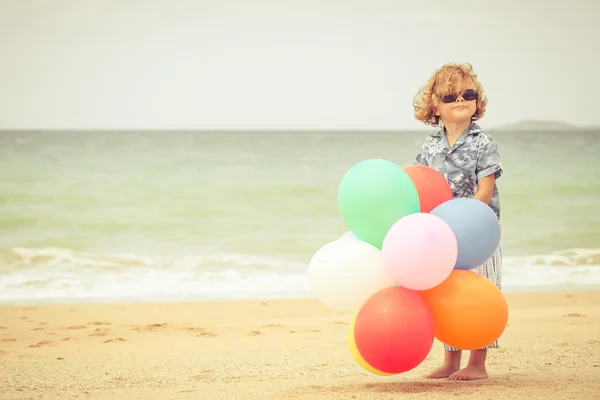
485	189
489	168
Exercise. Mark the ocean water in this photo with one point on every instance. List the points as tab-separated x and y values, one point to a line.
164	216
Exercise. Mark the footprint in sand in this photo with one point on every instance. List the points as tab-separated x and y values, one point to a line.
114	340
204	375
6	340
99	332
3	327
254	333
98	323
38	329
150	328
74	327
200	332
193	329
338	323
42	343
574	315
272	326
68	338
305	330
206	334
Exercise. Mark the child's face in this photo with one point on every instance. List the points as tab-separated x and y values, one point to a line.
459	104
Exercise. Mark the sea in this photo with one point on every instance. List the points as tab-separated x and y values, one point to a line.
135	216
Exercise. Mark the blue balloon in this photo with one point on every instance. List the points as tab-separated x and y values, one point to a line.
476	228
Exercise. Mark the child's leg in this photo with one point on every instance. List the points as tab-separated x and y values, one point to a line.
475	369
452	357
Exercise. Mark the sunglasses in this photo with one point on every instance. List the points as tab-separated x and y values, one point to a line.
468	95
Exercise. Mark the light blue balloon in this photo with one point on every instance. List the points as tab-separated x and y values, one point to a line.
476	228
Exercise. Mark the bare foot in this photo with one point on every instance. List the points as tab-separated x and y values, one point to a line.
469	373
444	371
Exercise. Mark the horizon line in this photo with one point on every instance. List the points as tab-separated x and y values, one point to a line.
216	130
280	130
515	126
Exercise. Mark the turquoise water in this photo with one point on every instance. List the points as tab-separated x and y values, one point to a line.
136	215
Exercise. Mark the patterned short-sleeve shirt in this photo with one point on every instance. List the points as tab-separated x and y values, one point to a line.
473	156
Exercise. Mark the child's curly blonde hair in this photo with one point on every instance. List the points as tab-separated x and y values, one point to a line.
445	81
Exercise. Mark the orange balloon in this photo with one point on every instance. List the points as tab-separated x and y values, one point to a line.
469	311
432	187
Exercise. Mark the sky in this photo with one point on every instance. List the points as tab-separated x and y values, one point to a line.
278	64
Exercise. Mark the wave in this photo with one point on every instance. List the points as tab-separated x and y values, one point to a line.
58	274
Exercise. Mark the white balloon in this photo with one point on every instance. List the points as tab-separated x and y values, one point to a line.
348	236
343	274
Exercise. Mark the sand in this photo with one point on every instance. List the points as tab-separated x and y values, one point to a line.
284	349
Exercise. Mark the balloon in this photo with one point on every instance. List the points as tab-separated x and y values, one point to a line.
361	361
476	228
419	251
348	236
344	273
372	196
432	187
393	330
469	311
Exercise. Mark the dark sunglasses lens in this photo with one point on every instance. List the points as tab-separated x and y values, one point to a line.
449	98
470	94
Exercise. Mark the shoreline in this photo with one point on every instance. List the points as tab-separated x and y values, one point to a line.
227	298
519	297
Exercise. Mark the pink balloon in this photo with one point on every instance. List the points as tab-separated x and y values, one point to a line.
419	251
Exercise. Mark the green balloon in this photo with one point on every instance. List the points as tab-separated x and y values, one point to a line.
372	196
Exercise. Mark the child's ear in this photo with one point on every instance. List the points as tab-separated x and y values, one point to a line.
435	107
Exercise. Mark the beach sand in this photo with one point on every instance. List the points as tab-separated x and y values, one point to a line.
279	349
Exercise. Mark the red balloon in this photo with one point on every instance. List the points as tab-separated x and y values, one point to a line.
432	187
393	330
